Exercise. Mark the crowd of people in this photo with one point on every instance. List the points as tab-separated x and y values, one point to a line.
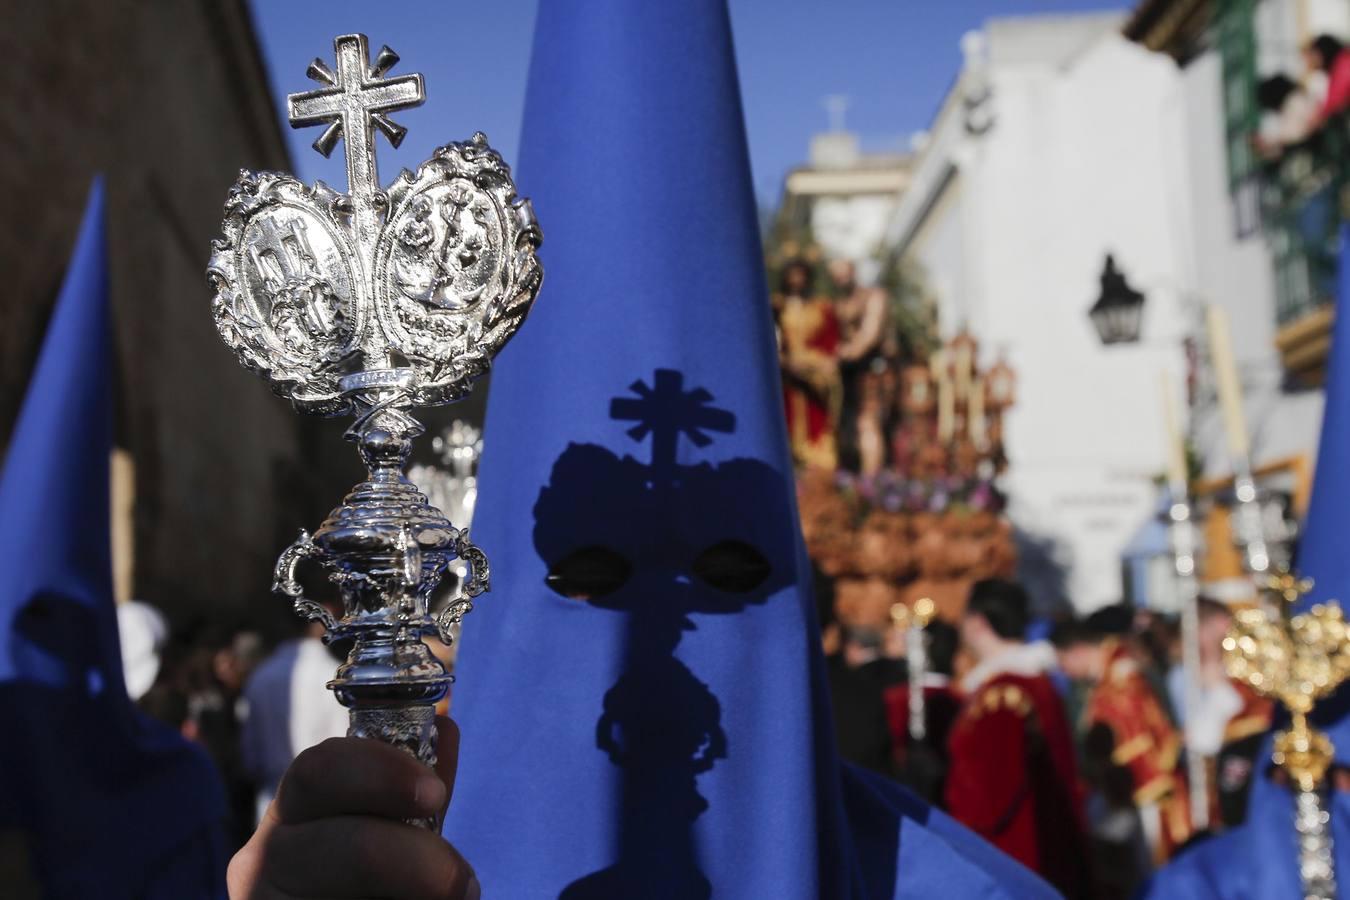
1059	742
251	710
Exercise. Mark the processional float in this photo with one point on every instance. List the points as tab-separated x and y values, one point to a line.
370	303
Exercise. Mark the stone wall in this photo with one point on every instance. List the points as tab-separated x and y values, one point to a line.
168	99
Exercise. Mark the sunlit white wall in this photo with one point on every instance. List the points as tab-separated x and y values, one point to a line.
1080	161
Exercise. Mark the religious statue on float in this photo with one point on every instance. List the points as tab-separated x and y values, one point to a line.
867	352
808	339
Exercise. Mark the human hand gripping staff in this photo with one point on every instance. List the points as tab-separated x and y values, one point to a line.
370	303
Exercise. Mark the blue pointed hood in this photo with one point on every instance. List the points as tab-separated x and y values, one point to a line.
1322	553
641	696
112	804
54	488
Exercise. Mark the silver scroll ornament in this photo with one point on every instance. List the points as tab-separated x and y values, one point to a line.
368	304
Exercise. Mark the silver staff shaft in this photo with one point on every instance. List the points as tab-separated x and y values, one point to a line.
1316	865
917	651
1182	534
1250	530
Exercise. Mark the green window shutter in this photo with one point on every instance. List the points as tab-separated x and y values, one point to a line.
1236	34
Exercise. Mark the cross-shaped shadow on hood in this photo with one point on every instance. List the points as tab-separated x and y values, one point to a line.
663	544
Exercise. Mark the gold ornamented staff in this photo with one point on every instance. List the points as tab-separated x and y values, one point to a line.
1297	660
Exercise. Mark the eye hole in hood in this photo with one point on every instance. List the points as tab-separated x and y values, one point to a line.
733	566
589	573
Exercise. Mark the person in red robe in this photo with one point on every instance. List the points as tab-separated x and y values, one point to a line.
1012	776
1129	729
808	336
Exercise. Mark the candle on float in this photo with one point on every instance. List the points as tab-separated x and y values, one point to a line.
975	416
937	364
946	401
945	396
965	364
1226	381
1176	442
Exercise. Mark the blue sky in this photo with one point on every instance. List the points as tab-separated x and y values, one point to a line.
893	59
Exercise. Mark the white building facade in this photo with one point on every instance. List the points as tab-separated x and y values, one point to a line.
1063	142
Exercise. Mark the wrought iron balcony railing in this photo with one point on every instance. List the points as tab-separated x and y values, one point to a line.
1302	211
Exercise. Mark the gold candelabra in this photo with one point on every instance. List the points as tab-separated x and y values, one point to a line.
1297	660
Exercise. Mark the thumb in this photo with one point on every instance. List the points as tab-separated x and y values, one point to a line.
244	872
447	755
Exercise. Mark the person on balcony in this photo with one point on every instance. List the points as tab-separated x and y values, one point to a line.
1290	114
1326	57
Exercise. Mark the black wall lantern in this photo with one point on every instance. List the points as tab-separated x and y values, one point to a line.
1119	310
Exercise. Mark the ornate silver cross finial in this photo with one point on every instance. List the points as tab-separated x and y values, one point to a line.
355	99
377	297
371	303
